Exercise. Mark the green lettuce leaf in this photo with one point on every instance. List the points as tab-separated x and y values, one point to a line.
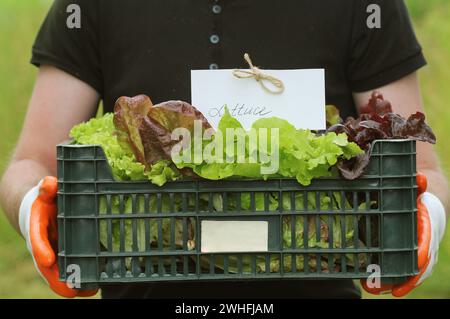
302	154
123	163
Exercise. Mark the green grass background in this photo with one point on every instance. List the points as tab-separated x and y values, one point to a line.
19	22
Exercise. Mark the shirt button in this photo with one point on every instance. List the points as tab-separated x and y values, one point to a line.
213	66
214	39
217	9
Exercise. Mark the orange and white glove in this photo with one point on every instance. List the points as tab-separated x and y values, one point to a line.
38	225
431	222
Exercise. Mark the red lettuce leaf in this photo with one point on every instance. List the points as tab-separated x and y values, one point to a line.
129	113
415	128
147	129
377	121
377	105
162	119
354	167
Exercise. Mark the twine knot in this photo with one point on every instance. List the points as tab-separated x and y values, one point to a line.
260	77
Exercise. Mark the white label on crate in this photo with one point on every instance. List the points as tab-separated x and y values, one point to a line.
234	236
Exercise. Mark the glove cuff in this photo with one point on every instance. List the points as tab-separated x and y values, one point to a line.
24	220
25	210
436	212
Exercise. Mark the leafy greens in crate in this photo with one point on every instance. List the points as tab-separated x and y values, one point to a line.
137	142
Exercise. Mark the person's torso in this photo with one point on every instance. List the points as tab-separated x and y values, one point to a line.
149	47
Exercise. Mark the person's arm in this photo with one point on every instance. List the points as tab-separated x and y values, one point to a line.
406	99
59	101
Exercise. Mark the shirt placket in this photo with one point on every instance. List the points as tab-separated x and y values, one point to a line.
216	9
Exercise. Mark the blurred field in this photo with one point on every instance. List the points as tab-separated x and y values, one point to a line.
19	22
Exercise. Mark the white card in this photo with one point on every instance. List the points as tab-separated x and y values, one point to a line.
234	236
302	103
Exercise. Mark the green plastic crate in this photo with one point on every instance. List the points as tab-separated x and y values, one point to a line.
119	232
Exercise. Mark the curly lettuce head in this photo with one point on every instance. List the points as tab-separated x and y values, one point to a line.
101	131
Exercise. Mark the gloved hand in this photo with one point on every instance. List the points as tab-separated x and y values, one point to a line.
431	221
38	225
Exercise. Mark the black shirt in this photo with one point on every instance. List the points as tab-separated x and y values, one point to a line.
149	46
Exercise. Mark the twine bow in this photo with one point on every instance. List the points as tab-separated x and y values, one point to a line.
260	77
